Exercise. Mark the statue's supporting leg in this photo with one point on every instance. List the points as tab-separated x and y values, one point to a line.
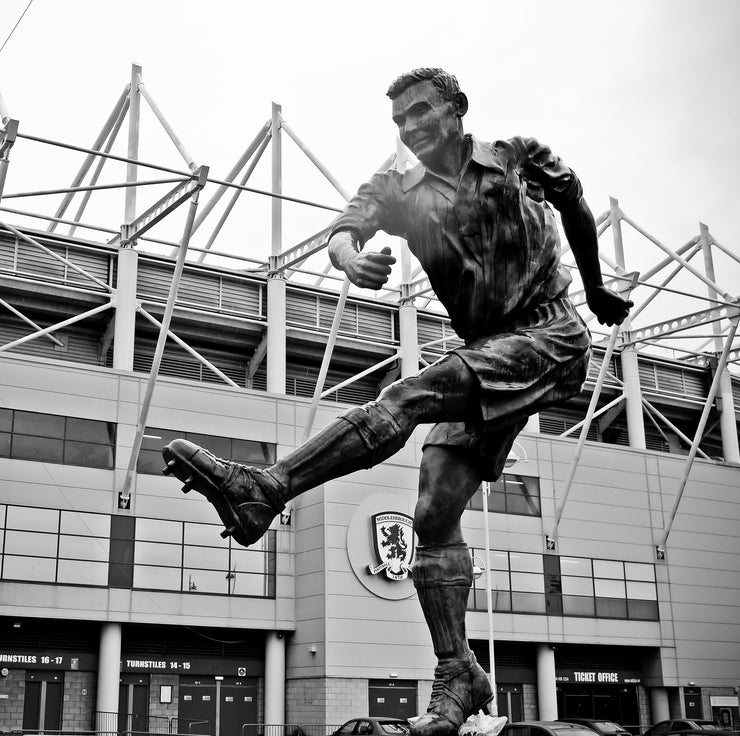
443	575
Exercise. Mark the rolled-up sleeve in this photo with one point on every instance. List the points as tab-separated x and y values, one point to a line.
540	165
374	207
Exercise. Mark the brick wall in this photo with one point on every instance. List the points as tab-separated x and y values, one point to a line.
79	701
161	714
12	690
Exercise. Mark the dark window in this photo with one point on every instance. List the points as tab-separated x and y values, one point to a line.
565	586
249	452
511	494
51	438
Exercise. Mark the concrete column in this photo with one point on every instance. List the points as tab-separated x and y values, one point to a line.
276	334
630	373
547	700
124	333
274	678
109	674
633	397
726	401
276	285
408	339
659	704
125	318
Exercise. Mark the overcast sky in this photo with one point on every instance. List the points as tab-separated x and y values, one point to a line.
640	97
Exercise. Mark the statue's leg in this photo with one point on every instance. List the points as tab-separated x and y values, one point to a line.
247	499
443	575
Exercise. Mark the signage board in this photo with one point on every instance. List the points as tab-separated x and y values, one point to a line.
48	660
597	677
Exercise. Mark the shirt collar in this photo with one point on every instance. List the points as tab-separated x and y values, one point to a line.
480	151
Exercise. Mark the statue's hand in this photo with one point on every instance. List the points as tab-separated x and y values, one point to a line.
368	269
608	306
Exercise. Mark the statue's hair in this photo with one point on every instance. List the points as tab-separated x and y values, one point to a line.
446	83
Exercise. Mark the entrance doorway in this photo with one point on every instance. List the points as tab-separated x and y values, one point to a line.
510	702
212	706
133	703
392	698
42	701
616	703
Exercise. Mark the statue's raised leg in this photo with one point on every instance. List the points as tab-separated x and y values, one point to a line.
248	499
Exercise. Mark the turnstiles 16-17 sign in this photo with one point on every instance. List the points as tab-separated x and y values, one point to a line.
48	660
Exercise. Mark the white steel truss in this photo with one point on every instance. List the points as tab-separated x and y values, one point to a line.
675	337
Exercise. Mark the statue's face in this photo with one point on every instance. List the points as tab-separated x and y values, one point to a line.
426	121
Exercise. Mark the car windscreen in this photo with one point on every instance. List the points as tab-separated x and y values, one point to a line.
578	731
608	727
401	729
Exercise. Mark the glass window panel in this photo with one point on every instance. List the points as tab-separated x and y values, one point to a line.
500	580
577	586
158	530
154	553
207	581
642	591
522	504
34	569
575	566
248	561
608	569
645	610
528	582
501	601
4	444
157	578
207	557
576	605
522	562
253	453
88	454
611	608
220	446
499	560
205	534
40	520
528	602
156	438
38	425
6	420
150	461
84	548
90	430
639	571
476	501
496	503
83	573
26	447
37	544
92	525
609	588
249	584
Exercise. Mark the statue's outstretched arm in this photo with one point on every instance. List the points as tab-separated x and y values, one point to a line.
580	229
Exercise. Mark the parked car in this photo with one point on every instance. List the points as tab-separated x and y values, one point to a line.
545	728
376	726
681	724
604	727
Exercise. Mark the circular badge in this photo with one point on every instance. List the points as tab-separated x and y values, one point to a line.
381	544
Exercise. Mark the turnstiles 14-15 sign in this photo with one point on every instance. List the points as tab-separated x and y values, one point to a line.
597	677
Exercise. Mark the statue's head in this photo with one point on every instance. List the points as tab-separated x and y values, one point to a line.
428	107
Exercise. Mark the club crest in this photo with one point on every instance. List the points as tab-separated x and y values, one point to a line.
393	539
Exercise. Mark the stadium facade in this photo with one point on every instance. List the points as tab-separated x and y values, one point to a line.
609	560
